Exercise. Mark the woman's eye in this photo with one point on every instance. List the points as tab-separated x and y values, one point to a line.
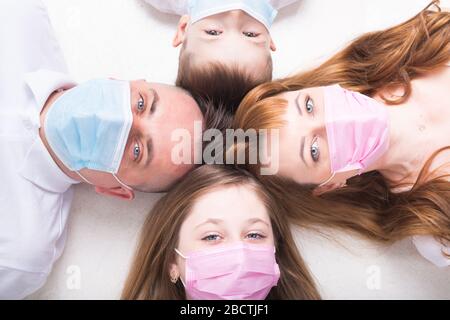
136	151
212	237
315	151
309	105
213	32
255	236
251	34
140	104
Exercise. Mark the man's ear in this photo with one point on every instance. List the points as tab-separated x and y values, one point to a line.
181	31
119	192
273	47
327	188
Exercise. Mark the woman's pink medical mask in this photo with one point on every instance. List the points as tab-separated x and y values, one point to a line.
234	272
357	129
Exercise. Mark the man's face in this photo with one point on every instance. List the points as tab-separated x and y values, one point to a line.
158	110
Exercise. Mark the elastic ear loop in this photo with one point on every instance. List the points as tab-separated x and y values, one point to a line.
184	257
121	183
83	178
326	182
118	180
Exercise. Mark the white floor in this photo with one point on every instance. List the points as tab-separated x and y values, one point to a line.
128	39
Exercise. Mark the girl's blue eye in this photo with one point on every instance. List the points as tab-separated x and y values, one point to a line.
211	237
136	151
250	34
255	236
309	105
140	105
315	151
213	32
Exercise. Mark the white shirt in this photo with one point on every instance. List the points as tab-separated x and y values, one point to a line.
180	7
35	195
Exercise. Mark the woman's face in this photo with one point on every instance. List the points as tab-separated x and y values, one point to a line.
221	217
303	151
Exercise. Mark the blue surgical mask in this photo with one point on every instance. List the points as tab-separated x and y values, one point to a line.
261	10
87	127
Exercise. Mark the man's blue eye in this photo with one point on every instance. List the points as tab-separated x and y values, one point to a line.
140	105
136	151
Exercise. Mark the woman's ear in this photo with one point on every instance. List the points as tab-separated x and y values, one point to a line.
181	31
119	192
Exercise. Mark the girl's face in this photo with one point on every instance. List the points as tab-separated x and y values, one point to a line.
221	217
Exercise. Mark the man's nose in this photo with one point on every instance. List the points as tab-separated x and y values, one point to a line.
140	124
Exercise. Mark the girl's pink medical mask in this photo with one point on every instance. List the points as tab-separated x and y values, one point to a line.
233	272
357	129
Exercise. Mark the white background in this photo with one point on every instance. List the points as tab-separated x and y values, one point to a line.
128	39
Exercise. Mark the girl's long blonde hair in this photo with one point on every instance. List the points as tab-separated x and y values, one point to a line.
371	64
149	274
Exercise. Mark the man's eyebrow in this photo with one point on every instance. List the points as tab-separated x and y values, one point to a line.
150	149
155	96
150	152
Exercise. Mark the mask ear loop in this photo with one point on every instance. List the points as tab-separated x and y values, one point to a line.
184	257
83	178
121	183
326	182
118	180
180	254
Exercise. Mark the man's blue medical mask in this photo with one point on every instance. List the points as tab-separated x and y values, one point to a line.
261	10
88	126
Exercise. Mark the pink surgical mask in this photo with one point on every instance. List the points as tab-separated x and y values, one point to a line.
233	272
357	129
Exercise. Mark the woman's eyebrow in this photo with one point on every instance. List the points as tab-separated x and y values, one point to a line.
302	150
299	109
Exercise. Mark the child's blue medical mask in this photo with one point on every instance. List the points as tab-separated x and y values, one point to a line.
88	126
261	10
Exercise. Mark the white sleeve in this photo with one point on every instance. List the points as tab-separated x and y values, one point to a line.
278	4
431	249
17	284
179	7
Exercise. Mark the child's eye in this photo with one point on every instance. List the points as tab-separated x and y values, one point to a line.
251	34
212	237
309	105
141	104
213	32
255	236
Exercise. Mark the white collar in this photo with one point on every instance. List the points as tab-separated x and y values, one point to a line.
38	166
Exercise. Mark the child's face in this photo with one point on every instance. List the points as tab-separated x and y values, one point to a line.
231	38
